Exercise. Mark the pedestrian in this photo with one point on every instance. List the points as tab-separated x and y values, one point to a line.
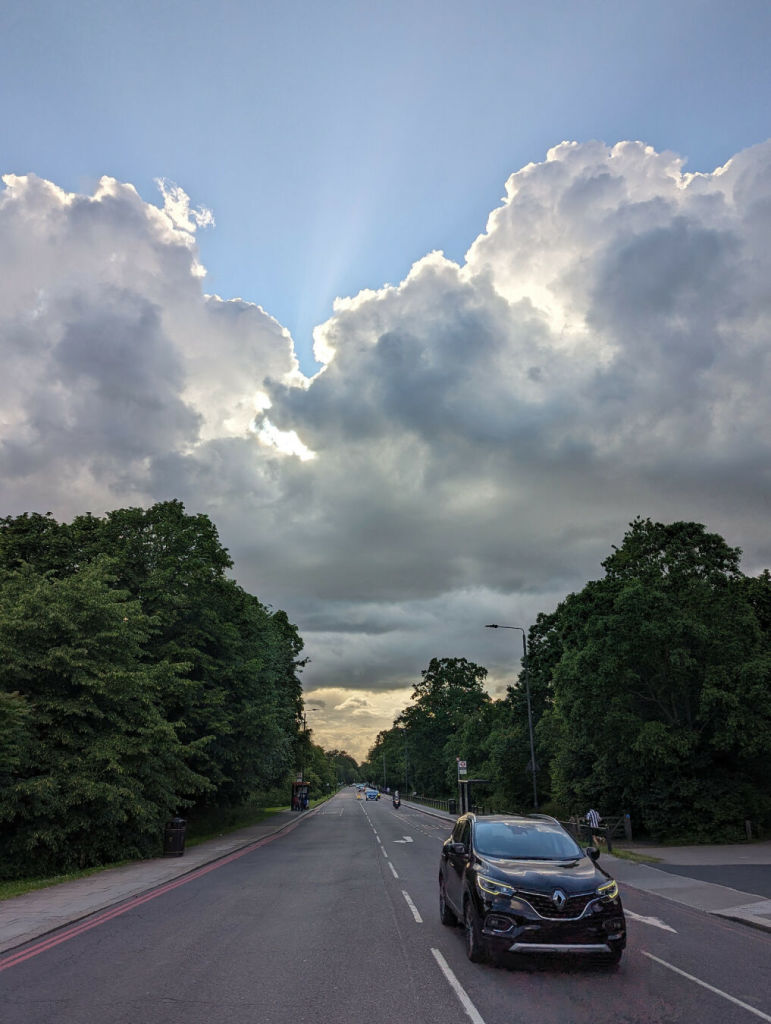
593	819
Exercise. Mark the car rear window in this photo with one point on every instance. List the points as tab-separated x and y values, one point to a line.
513	841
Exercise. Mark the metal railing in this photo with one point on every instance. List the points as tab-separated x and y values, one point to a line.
583	832
578	827
438	805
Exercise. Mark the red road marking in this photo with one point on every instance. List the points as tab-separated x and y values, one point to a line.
92	922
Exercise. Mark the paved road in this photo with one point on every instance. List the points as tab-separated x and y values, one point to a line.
336	921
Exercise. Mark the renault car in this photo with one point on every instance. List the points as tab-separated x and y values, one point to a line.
522	885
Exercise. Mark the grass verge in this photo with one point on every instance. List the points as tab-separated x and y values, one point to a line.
19	886
212	826
633	855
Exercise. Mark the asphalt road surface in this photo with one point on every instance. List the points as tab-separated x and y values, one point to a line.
337	922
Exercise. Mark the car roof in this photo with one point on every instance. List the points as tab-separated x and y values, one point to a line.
517	819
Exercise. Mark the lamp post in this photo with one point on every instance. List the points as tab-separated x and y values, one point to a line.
406	779
494	625
305	737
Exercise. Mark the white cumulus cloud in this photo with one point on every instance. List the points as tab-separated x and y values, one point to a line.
479	436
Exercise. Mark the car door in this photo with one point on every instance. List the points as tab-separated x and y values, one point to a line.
456	864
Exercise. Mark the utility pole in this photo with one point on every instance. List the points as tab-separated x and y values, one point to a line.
305	740
494	625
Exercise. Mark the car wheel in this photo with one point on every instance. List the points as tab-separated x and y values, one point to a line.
475	949
446	916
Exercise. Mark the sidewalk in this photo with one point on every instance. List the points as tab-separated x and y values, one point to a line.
721	900
27	917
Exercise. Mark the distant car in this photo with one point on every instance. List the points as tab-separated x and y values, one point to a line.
372	794
520	884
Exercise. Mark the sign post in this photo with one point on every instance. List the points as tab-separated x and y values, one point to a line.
462	786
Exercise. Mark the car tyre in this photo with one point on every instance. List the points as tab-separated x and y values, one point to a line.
614	958
446	916
475	949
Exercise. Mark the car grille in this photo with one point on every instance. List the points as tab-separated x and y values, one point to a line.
543	905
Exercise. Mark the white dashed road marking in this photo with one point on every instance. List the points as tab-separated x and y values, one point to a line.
711	988
393	869
458	989
412	907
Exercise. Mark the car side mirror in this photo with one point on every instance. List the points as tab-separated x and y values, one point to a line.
458	849
593	853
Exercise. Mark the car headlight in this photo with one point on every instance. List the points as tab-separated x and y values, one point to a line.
608	891
494	887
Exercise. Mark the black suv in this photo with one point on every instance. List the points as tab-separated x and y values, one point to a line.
521	884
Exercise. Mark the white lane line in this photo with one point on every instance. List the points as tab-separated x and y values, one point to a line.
458	989
655	921
383	849
393	869
711	988
412	907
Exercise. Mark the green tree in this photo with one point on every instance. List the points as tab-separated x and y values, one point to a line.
221	669
345	767
659	675
96	767
385	764
446	702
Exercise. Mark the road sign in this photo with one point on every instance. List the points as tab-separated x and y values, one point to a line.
461	767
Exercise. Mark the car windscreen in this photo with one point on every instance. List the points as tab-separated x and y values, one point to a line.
514	841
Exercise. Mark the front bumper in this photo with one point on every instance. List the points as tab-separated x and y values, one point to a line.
515	927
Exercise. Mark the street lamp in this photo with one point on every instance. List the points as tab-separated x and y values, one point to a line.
494	625
305	737
406	779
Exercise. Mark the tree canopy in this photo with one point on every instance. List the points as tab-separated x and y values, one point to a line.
660	692
136	680
650	692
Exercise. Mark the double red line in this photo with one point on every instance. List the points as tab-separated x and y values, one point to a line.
136	901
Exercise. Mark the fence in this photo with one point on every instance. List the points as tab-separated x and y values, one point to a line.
438	805
611	828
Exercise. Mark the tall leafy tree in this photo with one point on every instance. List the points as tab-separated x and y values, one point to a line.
97	767
661	699
345	766
449	697
217	670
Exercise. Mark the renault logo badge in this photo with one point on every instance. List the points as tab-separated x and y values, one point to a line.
559	899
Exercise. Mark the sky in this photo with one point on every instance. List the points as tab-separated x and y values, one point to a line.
422	303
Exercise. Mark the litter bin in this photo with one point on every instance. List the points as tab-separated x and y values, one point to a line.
174	837
452	806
